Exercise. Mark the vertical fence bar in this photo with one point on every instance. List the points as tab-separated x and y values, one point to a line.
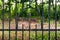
9	17
16	20
22	24
55	20
38	12
49	20
22	32
42	20
29	31
36	31
36	24
37	8
29	17
22	4
2	19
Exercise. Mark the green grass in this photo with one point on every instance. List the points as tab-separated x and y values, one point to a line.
32	35
45	36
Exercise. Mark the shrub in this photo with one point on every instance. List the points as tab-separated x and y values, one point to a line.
23	12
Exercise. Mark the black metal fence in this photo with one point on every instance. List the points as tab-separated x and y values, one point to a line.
42	20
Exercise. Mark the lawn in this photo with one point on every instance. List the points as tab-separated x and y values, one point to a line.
32	35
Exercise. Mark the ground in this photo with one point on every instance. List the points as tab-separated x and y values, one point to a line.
26	24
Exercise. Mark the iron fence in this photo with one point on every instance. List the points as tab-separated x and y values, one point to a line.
22	29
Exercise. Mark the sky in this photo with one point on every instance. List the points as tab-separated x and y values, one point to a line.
5	0
38	1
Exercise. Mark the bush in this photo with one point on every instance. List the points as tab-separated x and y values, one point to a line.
24	12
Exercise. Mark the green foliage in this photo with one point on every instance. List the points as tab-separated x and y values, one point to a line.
23	12
58	12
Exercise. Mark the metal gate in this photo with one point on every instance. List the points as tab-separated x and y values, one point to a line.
38	11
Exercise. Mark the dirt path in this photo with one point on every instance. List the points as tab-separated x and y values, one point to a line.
26	25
